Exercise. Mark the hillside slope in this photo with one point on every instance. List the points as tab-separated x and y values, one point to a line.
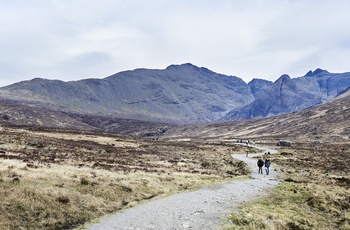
328	122
182	93
22	116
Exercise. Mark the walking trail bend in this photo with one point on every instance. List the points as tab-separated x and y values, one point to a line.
206	208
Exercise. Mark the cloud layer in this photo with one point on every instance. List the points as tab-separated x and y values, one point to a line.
71	40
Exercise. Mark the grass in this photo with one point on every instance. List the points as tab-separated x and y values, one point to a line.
63	197
314	195
64	180
296	206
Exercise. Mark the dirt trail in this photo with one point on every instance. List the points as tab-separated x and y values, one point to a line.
205	208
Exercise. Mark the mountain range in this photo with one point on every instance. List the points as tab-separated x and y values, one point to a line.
178	94
324	123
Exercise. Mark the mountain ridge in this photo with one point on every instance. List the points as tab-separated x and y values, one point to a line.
180	93
183	93
288	94
327	122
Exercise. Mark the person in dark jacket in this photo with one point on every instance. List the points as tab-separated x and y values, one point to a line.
260	165
267	166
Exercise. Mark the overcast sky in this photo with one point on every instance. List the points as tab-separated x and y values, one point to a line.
79	39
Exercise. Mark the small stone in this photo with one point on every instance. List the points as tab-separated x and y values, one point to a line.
186	225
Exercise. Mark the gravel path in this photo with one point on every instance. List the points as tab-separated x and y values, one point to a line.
205	208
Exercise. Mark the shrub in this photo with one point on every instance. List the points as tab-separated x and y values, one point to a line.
63	199
84	181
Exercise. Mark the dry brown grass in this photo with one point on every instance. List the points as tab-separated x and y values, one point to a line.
63	180
314	195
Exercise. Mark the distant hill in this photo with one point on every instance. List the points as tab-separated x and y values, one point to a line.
22	116
178	94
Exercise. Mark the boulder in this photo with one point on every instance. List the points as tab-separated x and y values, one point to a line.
284	143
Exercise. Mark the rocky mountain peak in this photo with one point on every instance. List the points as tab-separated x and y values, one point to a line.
188	67
185	65
258	86
284	79
318	73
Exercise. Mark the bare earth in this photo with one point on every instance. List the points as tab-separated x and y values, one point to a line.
205	208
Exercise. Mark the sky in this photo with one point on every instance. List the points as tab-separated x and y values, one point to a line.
79	39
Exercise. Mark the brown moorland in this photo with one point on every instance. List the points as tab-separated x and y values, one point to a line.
314	193
63	179
60	179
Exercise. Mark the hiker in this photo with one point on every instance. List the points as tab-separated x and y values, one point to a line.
267	166
260	165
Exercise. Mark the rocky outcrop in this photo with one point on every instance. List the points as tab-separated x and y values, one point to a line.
288	95
259	86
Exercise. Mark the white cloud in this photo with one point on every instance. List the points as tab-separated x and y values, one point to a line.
72	40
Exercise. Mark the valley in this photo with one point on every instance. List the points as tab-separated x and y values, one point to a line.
54	179
65	169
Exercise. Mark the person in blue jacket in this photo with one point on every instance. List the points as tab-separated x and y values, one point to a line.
267	166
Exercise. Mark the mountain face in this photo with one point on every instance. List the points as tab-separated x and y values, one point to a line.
180	93
259	86
288	95
328	122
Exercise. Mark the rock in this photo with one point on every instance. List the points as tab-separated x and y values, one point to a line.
284	143
186	225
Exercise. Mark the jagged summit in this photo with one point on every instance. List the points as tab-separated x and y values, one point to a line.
288	94
283	78
317	72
